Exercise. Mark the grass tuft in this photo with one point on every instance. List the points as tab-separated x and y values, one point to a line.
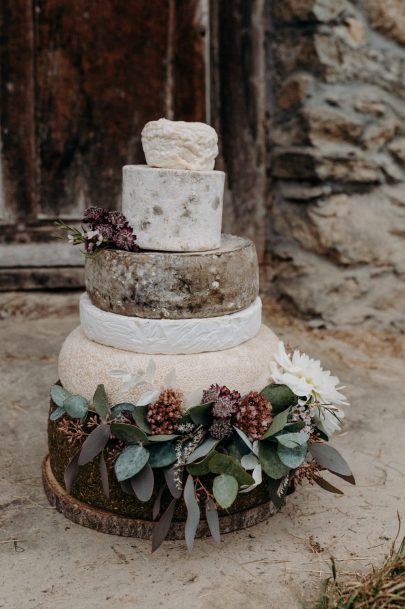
383	588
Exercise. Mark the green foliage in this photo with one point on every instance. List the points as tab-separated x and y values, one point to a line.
203	449
271	462
292	448
278	423
122	407
201	414
193	512
59	395
225	489
100	402
329	458
199	468
162	454
280	396
128	433
139	415
132	459
57	414
76	406
224	464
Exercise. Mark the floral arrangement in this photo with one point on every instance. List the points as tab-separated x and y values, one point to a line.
106	229
225	445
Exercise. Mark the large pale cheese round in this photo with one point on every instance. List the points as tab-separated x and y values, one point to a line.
83	364
169	336
175	285
173	210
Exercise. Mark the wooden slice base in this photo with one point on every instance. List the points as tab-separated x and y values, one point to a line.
114	524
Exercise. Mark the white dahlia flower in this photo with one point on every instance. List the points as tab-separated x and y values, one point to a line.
312	384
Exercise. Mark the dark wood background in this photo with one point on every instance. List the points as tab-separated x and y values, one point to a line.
78	80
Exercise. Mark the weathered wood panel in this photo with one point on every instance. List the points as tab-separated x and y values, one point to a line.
100	75
17	112
239	112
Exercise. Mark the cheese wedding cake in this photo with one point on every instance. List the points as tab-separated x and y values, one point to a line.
176	408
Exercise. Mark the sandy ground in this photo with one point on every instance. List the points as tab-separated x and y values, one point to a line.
54	564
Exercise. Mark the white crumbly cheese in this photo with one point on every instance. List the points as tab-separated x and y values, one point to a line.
180	145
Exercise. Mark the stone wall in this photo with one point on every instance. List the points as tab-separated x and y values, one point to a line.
336	93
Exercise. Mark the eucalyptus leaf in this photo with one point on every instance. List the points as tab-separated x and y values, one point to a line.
225	489
94	444
161	528
280	396
76	406
100	402
132	459
59	395
193	512
170	477
163	438
329	458
203	449
274	487
104	476
57	413
224	464
128	433
270	461
327	486
120	408
157	502
126	487
71	472
139	415
244	437
292	440
295	426
142	483
162	454
211	515
278	423
201	414
292	457
199	468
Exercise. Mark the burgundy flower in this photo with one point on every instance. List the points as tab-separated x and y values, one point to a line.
125	239
106	230
253	415
94	215
117	219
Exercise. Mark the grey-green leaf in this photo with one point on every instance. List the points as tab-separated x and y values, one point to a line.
327	486
128	433
201	414
157	502
170	477
244	437
100	402
142	483
280	396
292	440
225	489
59	395
76	406
331	459
132	459
292	457
139	415
120	408
193	512
270	461
211	515
57	413
94	444
163	438
223	464
278	423
162	454
104	476
161	528
201	451
71	472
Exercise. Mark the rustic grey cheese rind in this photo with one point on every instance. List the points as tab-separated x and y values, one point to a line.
169	285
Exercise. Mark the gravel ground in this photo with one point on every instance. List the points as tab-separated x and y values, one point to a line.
47	562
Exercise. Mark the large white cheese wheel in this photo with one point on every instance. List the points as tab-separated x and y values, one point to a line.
173	210
169	336
83	364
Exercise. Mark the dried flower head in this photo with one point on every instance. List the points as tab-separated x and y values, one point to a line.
221	428
94	215
253	415
106	230
225	406
165	413
309	470
117	219
125	239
